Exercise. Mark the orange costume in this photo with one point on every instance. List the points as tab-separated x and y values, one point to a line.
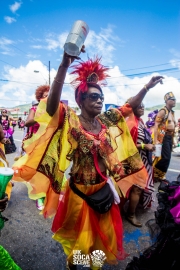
60	140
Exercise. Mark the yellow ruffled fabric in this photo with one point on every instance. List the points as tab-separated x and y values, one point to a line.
51	149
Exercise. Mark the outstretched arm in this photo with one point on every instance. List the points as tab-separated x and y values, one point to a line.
56	88
137	100
12	118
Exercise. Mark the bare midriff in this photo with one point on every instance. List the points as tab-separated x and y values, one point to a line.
170	123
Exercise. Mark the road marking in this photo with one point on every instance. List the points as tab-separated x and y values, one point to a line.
17	140
172	170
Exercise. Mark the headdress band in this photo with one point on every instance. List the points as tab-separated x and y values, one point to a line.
168	96
91	71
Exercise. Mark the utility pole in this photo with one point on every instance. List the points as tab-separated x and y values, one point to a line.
49	74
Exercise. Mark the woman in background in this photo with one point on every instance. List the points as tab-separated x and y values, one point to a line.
4	141
8	131
143	141
41	92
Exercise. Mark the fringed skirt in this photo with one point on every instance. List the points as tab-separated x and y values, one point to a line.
78	227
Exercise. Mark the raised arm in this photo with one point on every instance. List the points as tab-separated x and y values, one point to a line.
56	88
137	100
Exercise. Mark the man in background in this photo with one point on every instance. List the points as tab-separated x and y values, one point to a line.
163	134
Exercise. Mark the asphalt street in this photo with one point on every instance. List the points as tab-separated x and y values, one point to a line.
28	238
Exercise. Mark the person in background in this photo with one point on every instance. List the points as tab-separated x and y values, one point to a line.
8	131
19	121
163	134
22	124
178	124
100	148
143	141
14	123
151	121
32	126
3	142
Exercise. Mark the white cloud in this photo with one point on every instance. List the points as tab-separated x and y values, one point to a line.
4	43
103	43
124	87
175	53
34	56
15	6
37	46
53	42
9	19
23	82
176	61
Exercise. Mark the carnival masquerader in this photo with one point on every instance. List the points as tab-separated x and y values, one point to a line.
100	148
41	92
4	141
163	134
143	141
8	131
151	121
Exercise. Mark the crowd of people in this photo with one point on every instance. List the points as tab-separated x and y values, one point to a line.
112	157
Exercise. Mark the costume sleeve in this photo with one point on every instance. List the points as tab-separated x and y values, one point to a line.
46	123
39	168
113	116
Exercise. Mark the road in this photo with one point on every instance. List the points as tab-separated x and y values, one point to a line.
28	238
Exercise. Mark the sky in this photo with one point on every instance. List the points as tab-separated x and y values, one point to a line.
136	39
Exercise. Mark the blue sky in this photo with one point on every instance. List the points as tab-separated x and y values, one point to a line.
133	37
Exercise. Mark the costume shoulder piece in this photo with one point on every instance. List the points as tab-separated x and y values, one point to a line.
110	117
165	116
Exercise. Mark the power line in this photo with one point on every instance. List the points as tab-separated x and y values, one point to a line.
18	49
70	84
17	81
128	75
150	66
135	83
145	73
7	63
178	61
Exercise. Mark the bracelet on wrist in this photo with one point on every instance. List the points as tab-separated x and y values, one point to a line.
58	81
145	87
142	146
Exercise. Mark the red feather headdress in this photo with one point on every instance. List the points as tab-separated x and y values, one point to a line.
91	71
